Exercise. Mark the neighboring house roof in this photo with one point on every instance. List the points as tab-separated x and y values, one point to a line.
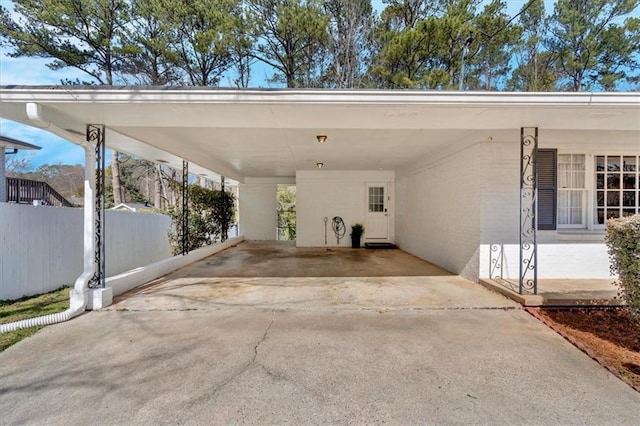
250	134
7	142
134	207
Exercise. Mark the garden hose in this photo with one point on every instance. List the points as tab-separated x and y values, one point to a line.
338	227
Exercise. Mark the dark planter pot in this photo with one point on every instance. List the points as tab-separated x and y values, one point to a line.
355	241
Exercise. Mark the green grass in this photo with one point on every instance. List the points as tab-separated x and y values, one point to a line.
30	307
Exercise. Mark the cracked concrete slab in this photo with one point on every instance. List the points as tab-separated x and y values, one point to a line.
311	340
256	366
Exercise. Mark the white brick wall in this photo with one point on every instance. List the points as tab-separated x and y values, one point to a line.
438	211
257	208
330	193
558	256
449	212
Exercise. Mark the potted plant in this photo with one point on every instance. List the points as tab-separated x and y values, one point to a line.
356	233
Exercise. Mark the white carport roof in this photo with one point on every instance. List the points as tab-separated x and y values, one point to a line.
272	133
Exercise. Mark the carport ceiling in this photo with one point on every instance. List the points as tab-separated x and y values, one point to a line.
264	133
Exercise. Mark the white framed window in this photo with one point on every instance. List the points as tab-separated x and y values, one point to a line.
572	191
376	199
617	187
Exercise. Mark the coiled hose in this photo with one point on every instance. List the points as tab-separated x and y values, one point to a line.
337	224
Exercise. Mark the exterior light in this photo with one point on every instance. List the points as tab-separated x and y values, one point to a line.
321	138
320	165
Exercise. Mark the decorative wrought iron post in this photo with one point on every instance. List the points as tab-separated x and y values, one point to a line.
496	260
185	208
528	279
224	232
95	135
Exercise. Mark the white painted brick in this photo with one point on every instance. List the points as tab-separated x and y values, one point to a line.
438	213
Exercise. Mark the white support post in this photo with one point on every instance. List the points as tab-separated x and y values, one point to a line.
3	177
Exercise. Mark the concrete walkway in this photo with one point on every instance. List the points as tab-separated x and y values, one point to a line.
313	361
560	292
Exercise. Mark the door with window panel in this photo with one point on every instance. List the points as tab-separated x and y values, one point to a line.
377	217
617	187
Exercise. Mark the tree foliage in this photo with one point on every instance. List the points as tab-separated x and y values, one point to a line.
591	47
66	179
210	211
535	69
292	39
83	34
423	44
350	36
286	199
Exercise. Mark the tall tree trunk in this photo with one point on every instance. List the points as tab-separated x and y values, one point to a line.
157	195
115	175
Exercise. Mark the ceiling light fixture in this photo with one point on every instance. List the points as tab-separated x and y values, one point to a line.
321	138
320	165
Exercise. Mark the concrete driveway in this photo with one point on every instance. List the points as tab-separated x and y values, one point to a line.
403	362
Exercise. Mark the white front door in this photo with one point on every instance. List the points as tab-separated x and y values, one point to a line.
377	222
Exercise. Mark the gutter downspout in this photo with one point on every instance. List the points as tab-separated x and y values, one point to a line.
79	296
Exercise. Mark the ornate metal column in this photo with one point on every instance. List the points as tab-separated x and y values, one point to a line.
224	232
95	136
184	234
528	279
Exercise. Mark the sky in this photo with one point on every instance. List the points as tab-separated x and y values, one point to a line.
33	71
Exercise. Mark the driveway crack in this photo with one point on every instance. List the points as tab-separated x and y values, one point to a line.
250	363
264	337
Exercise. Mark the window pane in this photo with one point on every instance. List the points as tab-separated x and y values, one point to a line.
629	181
578	179
629	198
376	198
576	216
617	185
613	163
570	207
630	164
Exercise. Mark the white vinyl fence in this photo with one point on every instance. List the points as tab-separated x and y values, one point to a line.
41	247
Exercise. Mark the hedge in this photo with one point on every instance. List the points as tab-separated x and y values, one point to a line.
623	241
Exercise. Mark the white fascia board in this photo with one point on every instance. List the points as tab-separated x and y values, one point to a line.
288	96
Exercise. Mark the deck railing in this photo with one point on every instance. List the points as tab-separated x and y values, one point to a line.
26	191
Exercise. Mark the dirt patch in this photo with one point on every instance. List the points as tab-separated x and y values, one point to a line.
606	334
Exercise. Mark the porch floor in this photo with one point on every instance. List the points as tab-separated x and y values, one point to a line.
560	292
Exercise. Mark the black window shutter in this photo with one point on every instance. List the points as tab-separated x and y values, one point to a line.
547	189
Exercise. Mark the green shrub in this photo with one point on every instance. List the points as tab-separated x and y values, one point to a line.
623	240
209	211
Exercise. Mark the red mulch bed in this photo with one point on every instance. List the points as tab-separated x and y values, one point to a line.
606	334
